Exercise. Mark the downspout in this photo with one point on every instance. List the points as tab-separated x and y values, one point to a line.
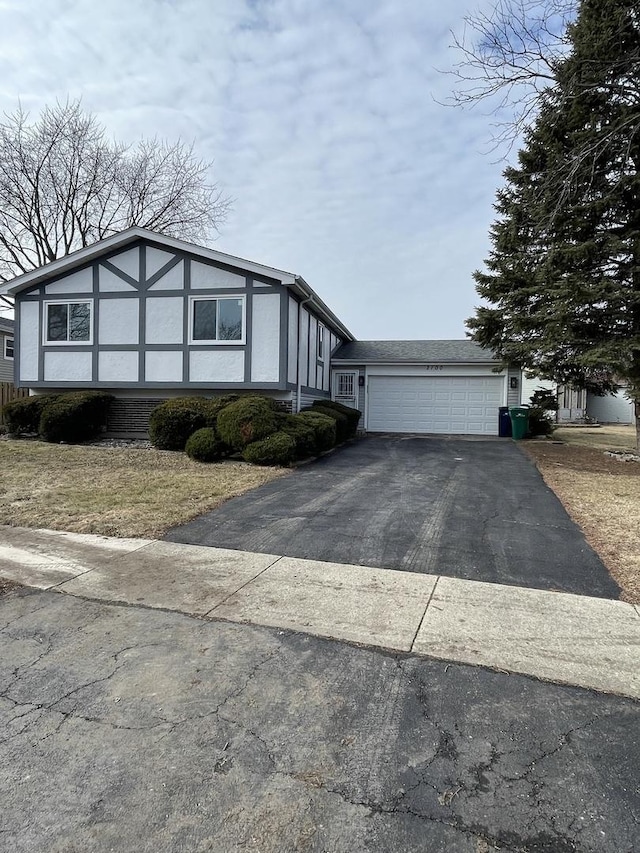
298	373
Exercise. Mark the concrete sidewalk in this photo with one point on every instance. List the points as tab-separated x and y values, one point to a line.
570	639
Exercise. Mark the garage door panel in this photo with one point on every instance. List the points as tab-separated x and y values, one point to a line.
445	405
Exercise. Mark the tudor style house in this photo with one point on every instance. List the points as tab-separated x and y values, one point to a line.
147	317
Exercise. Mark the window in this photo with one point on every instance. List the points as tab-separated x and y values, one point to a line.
345	385
67	322
217	320
8	347
320	341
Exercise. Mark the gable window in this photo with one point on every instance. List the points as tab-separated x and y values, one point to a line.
67	322
217	319
320	341
8	348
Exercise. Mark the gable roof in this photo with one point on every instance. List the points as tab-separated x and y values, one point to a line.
6	324
122	239
414	352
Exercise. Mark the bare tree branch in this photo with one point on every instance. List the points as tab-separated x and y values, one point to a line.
64	185
506	60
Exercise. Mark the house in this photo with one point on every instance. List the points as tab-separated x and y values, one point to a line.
6	349
147	317
576	405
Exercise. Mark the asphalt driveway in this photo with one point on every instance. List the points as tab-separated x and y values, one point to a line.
474	509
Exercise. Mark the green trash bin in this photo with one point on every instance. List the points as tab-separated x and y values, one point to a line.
519	421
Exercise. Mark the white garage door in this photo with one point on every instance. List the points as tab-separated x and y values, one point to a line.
440	404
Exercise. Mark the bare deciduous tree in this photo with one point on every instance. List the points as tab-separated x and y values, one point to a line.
64	185
508	57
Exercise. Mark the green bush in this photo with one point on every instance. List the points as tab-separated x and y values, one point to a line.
302	432
323	426
247	420
352	415
23	415
276	449
216	404
205	445
74	417
343	431
539	422
172	422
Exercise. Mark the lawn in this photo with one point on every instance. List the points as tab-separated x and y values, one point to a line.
114	491
601	493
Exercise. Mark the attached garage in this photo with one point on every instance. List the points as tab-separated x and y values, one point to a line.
441	404
438	387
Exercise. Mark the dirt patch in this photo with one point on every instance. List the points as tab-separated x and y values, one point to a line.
602	495
7	586
114	491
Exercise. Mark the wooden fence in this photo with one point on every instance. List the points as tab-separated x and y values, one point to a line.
9	392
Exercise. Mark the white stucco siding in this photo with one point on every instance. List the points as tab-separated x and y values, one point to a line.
216	366
155	259
118	321
292	362
128	262
67	366
109	282
205	276
265	338
172	280
165	320
29	340
163	366
77	282
118	366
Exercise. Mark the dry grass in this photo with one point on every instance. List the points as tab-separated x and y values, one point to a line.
600	493
113	491
613	437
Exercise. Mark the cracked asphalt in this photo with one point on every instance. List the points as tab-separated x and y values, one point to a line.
124	728
471	509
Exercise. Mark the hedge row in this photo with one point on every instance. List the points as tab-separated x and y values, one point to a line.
73	417
209	429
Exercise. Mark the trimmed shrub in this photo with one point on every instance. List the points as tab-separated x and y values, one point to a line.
74	417
247	420
343	431
205	445
277	449
352	415
323	426
172	422
216	404
302	432
23	415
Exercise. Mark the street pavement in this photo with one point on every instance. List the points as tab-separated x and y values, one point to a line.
166	698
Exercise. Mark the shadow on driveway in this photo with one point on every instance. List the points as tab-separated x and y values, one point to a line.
474	509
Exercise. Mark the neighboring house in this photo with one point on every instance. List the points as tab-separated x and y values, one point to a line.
147	317
577	405
6	349
611	409
572	402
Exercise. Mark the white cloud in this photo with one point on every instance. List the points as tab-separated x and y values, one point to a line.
323	122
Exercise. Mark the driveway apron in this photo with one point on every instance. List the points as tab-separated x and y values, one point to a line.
474	509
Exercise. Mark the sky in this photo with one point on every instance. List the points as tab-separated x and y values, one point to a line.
325	123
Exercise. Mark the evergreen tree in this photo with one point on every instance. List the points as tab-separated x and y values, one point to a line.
563	276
